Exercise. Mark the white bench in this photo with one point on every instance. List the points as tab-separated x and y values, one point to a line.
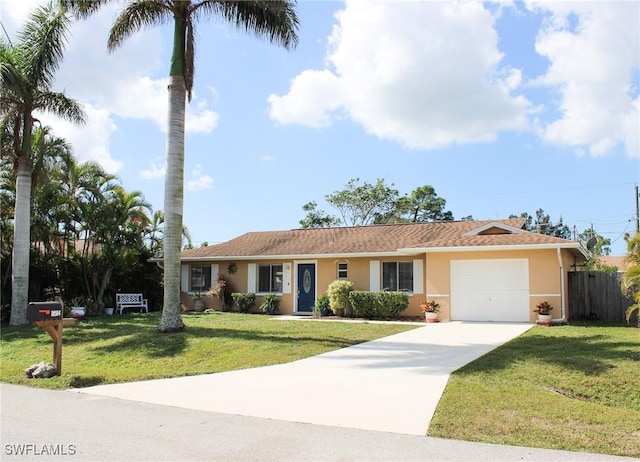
124	301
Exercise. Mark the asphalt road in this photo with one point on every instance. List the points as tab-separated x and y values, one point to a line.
44	425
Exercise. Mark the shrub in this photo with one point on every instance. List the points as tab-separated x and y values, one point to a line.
338	293
384	304
322	306
245	301
364	303
270	304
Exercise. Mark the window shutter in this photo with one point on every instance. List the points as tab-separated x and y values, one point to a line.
374	275
251	278
418	277
215	271
286	278
184	278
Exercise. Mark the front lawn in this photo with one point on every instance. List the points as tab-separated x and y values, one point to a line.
123	348
566	387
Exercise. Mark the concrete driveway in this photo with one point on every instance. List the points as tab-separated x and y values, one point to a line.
392	384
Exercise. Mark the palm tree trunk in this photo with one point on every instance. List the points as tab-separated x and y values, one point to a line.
173	206
21	240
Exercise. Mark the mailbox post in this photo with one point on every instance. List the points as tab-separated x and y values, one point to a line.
48	315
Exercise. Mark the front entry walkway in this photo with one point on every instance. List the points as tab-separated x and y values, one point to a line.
392	384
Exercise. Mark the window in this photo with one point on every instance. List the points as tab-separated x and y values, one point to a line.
200	278
342	270
397	275
270	278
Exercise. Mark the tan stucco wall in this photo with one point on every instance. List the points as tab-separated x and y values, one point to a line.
544	278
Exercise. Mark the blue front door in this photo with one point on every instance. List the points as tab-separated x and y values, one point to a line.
306	287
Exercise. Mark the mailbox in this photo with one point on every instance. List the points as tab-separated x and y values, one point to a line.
44	311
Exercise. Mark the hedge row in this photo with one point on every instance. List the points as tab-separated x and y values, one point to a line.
384	304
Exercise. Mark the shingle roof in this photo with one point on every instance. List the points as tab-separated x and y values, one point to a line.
619	262
375	239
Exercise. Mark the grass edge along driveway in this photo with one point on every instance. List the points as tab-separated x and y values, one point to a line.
573	387
566	387
125	348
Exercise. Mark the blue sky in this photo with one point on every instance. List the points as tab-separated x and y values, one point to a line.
503	107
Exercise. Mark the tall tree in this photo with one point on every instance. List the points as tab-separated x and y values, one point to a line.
114	225
316	218
425	205
541	223
51	158
364	204
27	71
275	20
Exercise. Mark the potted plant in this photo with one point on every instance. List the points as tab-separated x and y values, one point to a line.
430	310
270	304
78	308
322	307
544	313
198	302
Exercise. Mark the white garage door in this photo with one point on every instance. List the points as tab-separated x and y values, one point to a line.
490	290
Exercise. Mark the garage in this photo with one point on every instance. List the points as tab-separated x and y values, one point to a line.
490	290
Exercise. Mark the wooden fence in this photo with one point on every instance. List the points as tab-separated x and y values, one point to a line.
597	296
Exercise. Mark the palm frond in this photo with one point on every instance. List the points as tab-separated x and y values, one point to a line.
82	9
137	15
42	42
61	105
13	84
276	20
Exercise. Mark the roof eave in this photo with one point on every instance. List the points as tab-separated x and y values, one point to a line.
304	256
484	248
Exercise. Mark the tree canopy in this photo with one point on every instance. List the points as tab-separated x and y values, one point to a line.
363	203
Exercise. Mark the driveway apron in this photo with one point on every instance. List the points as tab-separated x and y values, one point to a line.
392	384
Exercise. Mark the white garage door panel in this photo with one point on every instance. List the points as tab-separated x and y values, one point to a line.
490	290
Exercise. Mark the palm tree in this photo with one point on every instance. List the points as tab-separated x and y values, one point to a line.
114	226
51	158
27	71
275	20
154	234
631	277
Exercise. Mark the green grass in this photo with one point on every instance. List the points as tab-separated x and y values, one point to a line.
572	387
128	347
566	387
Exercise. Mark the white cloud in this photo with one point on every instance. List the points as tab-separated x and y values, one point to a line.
425	74
154	172
119	84
90	142
312	97
594	52
199	181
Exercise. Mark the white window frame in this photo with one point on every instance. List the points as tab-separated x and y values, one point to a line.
282	281
345	270
188	276
409	264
